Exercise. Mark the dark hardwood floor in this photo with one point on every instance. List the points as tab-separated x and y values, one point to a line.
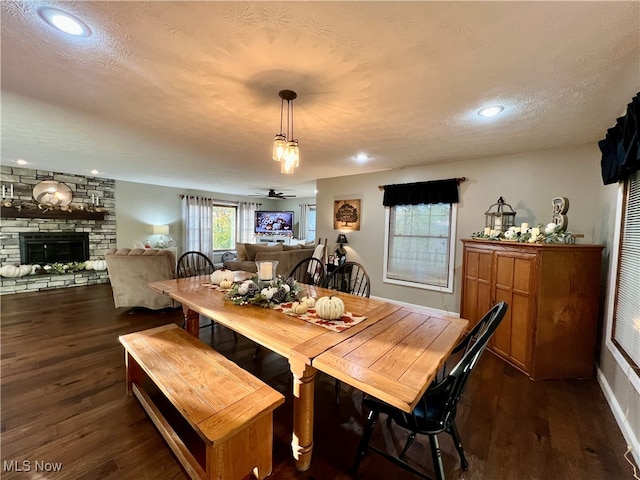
64	402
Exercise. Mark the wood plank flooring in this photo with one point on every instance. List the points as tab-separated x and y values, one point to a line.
64	405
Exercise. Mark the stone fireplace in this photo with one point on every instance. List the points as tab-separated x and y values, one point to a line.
45	239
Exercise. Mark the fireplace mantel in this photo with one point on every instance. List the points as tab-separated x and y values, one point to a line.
13	212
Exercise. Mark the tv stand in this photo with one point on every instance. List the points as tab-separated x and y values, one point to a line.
285	239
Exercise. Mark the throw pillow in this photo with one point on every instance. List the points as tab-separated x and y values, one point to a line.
241	252
253	248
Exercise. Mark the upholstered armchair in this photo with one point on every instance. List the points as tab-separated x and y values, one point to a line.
130	270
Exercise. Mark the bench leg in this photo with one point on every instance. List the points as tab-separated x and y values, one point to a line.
303	392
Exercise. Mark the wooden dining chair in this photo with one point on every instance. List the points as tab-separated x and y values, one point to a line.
436	410
192	264
350	277
310	271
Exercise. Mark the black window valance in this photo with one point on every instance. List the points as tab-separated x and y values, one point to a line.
620	152
436	191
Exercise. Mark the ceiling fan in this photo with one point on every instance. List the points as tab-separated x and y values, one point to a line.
273	194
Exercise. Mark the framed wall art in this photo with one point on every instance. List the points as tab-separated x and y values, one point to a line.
346	214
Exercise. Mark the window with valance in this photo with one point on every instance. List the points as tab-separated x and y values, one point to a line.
420	233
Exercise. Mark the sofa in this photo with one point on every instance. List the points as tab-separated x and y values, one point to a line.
287	256
131	269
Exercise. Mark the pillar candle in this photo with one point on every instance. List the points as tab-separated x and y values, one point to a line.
11	190
487	230
266	271
524	226
498	224
535	231
4	191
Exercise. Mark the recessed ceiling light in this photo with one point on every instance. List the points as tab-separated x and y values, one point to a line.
94	172
21	161
65	22
490	111
362	157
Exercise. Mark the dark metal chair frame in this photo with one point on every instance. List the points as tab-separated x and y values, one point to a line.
436	411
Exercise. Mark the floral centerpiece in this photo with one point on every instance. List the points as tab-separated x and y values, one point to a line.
550	233
265	293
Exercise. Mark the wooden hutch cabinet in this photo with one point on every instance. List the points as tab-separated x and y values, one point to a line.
553	291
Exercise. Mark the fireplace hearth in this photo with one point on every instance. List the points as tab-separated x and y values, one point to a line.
46	248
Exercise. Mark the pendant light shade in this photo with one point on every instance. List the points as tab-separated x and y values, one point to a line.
286	152
279	147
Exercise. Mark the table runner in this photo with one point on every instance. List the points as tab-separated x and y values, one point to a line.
347	320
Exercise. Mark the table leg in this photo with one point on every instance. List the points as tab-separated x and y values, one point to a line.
191	321
303	392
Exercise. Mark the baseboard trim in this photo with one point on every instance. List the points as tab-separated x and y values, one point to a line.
619	415
435	311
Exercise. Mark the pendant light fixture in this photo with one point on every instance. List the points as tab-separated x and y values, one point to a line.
286	152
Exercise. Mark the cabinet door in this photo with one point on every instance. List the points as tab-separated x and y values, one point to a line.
476	298
513	284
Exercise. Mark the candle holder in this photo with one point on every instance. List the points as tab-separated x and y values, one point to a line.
266	270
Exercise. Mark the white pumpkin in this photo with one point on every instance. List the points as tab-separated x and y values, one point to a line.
329	308
24	270
222	274
269	292
224	283
88	265
99	264
14	271
310	302
299	308
551	228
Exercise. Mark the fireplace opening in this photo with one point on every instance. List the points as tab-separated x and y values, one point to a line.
44	248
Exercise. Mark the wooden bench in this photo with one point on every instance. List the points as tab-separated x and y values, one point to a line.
216	417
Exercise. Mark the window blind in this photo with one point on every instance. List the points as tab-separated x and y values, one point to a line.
626	328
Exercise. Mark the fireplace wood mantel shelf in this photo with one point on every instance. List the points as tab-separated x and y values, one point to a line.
13	212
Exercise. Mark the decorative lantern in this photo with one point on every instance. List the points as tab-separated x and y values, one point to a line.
266	270
499	218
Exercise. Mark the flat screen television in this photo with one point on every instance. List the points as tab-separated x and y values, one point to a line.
275	223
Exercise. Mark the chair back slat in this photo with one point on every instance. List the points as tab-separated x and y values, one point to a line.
350	277
191	264
310	271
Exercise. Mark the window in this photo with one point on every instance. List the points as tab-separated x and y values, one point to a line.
419	245
224	227
626	320
310	234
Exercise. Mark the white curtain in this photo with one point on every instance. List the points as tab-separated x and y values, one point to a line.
246	221
197	224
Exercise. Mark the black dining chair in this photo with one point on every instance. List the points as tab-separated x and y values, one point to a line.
192	264
350	277
309	270
436	410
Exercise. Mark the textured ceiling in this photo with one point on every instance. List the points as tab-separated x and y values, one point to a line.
186	93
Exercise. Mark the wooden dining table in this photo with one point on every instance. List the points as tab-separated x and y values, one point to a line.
394	354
